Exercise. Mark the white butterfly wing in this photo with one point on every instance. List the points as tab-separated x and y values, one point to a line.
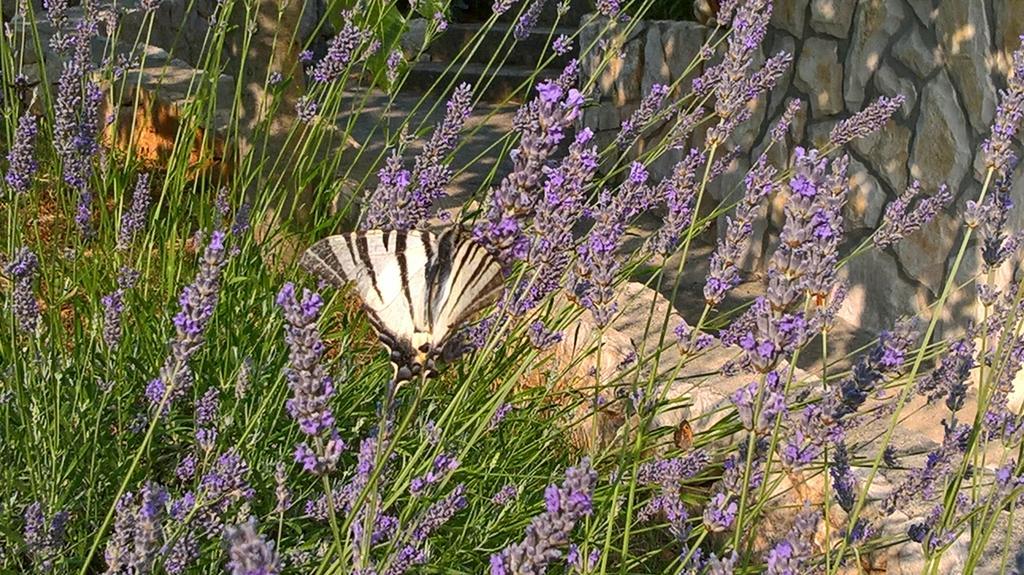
463	279
389	272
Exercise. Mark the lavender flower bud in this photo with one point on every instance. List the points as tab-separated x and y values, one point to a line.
348	46
21	163
997	148
22	271
249	553
549	531
898	223
866	122
43	539
528	20
642	117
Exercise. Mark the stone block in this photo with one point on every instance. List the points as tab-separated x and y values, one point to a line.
819	74
875	26
963	32
942	148
832	17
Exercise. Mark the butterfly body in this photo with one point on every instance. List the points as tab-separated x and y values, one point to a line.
417	287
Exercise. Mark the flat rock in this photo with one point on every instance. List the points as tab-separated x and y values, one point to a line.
832	17
875	25
669	51
941	149
963	32
790	15
819	74
923	253
878	294
912	51
891	83
887	150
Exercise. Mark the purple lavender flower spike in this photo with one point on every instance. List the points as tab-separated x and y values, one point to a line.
134	218
679	192
549	531
198	302
306	109
120	547
21	160
311	387
528	20
44	539
609	8
347	46
592	282
541	337
997	148
642	117
790	555
403	199
720	513
898	221
113	308
562	45
724	273
249	553
444	464
440	513
501	6
781	128
865	122
22	271
505	495
541	124
557	211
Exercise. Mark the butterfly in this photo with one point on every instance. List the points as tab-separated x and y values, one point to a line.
417	287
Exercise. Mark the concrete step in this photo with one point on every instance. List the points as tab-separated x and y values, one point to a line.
500	44
508	82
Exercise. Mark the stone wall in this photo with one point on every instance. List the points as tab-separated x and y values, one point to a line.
947	57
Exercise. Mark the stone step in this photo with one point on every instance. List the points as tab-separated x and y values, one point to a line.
499	43
509	82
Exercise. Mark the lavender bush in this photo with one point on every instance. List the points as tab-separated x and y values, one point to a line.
177	397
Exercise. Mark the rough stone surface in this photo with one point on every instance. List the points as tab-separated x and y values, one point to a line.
924	10
877	291
924	252
790	15
875	24
669	51
891	83
887	150
832	17
912	51
819	74
1008	18
940	154
866	198
619	81
963	32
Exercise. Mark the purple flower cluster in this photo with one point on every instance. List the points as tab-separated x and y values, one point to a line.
76	122
351	44
21	162
998	147
898	222
549	531
541	337
990	219
865	122
528	20
792	554
113	308
645	113
44	539
564	192
138	531
22	271
444	464
592	281
306	109
133	220
541	124
679	193
311	387
249	553
667	475
197	302
403	198
883	360
723	274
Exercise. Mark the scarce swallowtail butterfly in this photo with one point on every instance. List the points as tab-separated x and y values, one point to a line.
416	287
